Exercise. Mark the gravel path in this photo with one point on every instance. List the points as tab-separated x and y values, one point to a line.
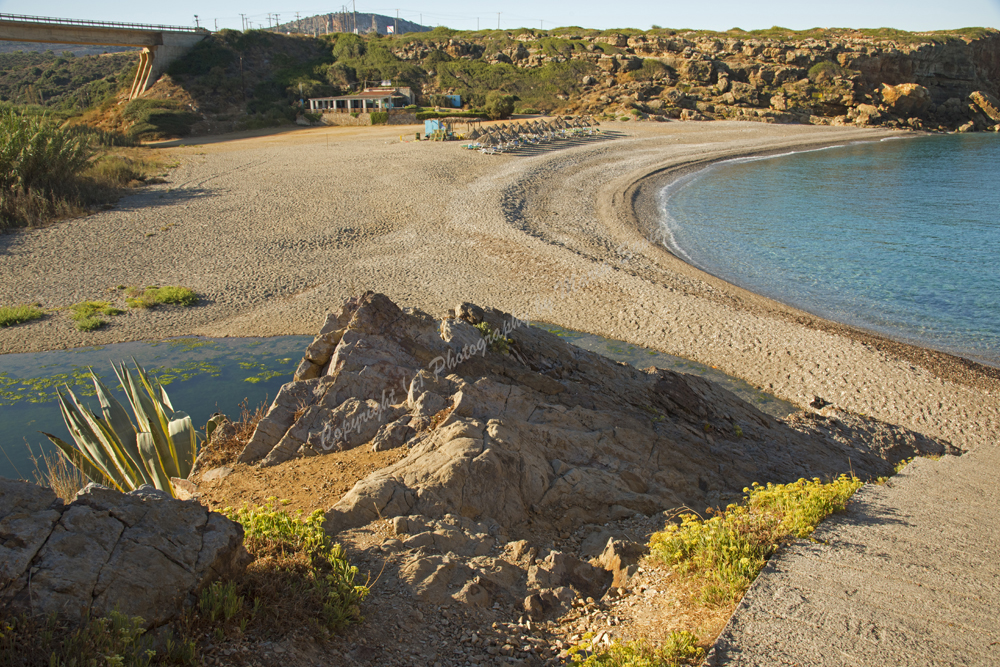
273	231
909	575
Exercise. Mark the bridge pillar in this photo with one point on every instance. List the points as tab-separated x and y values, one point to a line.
154	60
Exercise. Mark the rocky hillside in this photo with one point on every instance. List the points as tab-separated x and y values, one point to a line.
896	79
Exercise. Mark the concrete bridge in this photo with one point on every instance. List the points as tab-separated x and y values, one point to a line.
160	44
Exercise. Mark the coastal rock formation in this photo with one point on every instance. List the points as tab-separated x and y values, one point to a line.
505	422
141	553
825	77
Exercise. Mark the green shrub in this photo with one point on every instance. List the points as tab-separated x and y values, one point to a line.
380	118
38	160
499	106
11	315
679	648
137	297
85	314
299	576
115	640
157	119
826	70
728	550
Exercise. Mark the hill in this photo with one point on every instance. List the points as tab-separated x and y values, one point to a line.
350	22
65	83
238	80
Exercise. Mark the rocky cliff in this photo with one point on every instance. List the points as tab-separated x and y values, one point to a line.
828	77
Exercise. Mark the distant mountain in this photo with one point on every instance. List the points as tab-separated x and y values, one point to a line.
350	22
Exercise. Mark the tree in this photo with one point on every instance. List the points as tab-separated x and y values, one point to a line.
499	106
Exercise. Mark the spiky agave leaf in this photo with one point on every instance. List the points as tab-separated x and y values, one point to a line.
185	439
118	421
91	439
150	417
83	463
154	465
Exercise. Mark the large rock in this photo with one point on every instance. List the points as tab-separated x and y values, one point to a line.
142	553
545	430
987	103
906	99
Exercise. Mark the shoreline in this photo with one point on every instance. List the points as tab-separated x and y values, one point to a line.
645	214
274	231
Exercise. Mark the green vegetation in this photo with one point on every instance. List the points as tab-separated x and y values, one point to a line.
300	577
495	339
298	583
727	551
86	313
117	640
11	315
49	171
158	119
499	106
117	453
63	84
380	117
150	297
679	648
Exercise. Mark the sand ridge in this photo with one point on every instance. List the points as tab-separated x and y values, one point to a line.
276	230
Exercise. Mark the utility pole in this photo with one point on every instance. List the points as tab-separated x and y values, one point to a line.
498	20
395	26
216	25
196	21
243	22
354	3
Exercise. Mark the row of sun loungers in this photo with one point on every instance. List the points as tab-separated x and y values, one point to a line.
503	138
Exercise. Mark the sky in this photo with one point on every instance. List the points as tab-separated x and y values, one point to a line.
914	15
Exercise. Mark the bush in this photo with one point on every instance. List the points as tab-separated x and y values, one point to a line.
136	297
727	551
158	119
499	106
38	160
679	648
11	315
825	70
86	313
380	118
299	576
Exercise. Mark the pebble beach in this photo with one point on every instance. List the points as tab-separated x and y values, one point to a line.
274	231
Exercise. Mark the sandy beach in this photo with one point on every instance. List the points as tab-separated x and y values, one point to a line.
273	231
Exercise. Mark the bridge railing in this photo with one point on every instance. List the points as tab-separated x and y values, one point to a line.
97	24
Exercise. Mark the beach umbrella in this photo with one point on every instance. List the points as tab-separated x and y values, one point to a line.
475	134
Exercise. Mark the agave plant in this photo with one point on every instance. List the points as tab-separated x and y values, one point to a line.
162	443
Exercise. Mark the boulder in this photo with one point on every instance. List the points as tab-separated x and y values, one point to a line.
142	553
906	99
987	103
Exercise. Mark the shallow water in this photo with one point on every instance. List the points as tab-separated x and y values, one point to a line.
206	375
901	237
201	375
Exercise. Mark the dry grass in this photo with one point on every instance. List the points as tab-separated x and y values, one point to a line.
54	471
223	450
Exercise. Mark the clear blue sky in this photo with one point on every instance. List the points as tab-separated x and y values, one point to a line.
703	14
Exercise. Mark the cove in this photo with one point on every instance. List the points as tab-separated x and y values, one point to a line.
900	237
208	375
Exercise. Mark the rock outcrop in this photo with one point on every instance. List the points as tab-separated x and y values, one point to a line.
913	81
142	553
505	422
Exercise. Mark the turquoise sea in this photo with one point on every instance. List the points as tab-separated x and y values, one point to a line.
900	236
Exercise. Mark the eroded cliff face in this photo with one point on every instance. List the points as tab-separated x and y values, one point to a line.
846	79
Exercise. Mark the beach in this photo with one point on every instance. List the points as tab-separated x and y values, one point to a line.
274	231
